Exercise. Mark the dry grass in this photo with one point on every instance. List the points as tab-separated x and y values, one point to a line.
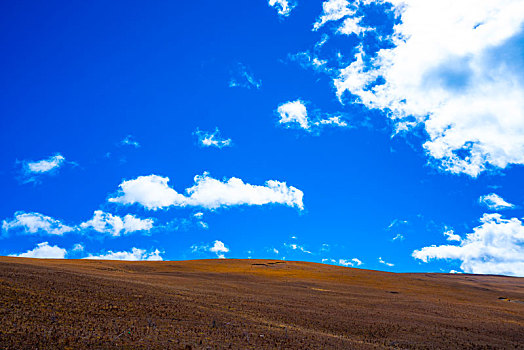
251	304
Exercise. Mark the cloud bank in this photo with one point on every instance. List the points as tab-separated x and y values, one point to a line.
153	192
494	247
32	223
455	69
134	255
114	225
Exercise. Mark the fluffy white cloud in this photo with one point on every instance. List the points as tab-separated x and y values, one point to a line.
44	251
150	191
380	260
154	193
219	248
451	236
456	69
283	7
114	225
212	139
35	223
134	255
495	202
294	113
494	247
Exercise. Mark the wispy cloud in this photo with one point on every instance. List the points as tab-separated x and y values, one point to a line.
130	141
32	171
242	77
495	202
380	260
153	192
398	237
212	139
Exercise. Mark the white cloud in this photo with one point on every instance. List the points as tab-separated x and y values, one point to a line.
218	247
154	193
294	113
494	247
344	262
150	191
310	60
134	255
398	237
380	260
297	247
129	141
455	68
35	223
112	224
352	262
242	77
45	165
397	222
32	170
336	10
451	236
283	7
44	251
78	248
212	139
495	202
333	10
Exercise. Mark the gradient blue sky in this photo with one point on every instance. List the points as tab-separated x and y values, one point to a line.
79	78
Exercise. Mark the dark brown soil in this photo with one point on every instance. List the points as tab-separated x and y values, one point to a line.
251	304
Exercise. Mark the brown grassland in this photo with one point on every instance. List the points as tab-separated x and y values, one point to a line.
251	304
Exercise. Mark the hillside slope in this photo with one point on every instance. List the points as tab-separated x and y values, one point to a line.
256	304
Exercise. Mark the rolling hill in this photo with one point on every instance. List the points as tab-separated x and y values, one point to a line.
251	304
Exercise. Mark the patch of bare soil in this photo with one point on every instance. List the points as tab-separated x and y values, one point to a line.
251	304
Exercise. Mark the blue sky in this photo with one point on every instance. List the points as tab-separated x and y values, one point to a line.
377	134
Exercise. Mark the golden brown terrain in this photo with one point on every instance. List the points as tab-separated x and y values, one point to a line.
251	304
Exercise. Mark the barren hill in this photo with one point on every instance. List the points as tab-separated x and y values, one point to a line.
251	304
